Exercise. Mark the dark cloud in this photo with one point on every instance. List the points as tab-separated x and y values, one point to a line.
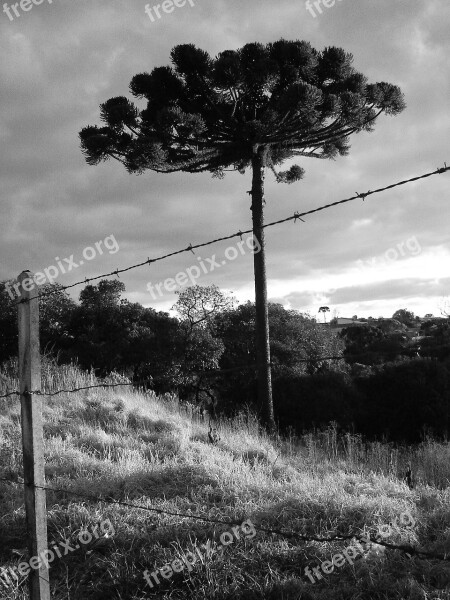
405	288
61	60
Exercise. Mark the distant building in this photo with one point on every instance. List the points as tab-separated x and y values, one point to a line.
341	322
430	317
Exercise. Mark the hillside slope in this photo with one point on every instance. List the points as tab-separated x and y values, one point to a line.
136	448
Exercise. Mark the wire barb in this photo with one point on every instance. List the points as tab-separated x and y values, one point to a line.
210	373
9	394
287	534
190	248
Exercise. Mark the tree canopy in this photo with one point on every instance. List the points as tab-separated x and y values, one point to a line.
198	305
404	316
208	114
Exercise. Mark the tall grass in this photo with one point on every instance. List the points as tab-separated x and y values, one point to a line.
132	446
53	376
430	460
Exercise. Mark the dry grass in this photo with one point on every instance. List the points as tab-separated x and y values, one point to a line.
147	450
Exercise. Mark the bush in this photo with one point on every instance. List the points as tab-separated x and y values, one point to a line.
404	400
307	401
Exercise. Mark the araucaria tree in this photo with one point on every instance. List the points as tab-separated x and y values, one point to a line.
256	107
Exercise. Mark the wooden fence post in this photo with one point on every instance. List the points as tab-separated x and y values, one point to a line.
32	434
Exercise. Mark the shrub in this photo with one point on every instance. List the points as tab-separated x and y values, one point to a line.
307	401
405	399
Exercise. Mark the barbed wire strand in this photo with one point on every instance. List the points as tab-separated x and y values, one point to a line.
296	216
8	395
213	373
410	550
124	384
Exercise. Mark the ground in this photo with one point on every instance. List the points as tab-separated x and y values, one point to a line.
150	451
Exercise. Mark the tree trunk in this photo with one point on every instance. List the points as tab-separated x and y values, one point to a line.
262	314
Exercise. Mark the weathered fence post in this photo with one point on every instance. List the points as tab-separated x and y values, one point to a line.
32	435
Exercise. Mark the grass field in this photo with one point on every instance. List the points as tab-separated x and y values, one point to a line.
137	448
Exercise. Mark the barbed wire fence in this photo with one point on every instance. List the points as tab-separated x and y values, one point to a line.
294	535
142	383
31	394
295	217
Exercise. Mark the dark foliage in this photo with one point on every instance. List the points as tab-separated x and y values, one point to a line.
208	114
55	315
374	345
303	402
405	400
297	342
400	400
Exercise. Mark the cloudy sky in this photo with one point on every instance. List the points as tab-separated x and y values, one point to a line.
61	59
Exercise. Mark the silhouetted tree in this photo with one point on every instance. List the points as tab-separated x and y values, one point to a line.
404	316
199	305
8	324
359	343
324	310
298	346
256	107
402	400
55	312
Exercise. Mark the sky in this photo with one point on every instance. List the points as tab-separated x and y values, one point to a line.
61	59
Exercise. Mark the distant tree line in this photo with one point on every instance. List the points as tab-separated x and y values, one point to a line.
375	383
401	401
105	332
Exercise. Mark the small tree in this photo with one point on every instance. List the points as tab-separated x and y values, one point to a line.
444	307
255	107
404	316
361	343
324	310
55	311
198	305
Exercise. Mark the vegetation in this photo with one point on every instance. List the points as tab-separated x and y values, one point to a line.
134	447
107	333
256	107
369	378
404	316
